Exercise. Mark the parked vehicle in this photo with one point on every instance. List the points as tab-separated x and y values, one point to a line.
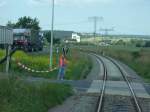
27	39
6	36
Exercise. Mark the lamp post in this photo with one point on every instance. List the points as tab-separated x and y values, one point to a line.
52	35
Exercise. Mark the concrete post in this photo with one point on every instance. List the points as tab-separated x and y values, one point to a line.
8	57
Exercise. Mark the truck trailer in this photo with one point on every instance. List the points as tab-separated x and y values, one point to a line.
6	35
27	39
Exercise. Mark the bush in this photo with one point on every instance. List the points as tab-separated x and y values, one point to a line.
79	65
135	54
138	45
47	35
147	44
77	68
18	96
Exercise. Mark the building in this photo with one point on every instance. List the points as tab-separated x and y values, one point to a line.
58	34
76	37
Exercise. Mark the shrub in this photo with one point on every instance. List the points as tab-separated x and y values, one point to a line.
18	96
147	44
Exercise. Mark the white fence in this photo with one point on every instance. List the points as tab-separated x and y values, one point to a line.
6	35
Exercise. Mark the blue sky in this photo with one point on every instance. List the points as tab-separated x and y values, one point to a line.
127	16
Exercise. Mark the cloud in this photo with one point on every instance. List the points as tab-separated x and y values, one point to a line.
2	3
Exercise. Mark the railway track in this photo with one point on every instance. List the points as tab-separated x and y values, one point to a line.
100	103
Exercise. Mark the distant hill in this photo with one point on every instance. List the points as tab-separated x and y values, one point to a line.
130	36
61	34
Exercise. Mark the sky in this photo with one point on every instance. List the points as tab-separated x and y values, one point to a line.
126	16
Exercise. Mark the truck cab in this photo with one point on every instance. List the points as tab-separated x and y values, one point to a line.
27	39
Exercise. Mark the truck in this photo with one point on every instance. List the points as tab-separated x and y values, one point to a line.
27	39
6	36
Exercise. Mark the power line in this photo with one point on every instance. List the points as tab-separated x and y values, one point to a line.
95	20
107	30
67	24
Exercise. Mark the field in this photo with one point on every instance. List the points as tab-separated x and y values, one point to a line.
78	65
21	96
18	95
2	53
136	58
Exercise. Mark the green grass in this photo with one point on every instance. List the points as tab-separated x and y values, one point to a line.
124	48
34	61
136	58
2	54
78	65
19	96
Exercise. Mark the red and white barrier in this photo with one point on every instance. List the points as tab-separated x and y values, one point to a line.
21	65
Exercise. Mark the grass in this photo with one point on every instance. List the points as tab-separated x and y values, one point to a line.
34	61
19	96
2	54
77	68
136	58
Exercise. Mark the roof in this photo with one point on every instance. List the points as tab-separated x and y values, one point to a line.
21	30
61	34
5	27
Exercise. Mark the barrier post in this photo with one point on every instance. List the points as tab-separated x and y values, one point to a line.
57	57
8	48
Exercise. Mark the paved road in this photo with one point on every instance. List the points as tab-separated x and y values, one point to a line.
118	88
97	70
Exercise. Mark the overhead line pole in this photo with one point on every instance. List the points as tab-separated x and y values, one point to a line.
95	19
95	26
52	36
106	30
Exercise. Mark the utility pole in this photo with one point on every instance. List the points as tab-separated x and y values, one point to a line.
8	48
52	35
106	30
95	20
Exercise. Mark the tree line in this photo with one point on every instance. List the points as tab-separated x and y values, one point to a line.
31	23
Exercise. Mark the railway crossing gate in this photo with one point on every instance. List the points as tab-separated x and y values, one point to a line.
6	39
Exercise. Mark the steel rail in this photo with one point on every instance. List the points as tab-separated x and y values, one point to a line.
101	98
124	74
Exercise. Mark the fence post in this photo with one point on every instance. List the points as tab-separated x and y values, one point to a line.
8	48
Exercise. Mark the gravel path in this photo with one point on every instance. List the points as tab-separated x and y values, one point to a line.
113	72
124	104
77	103
96	69
134	77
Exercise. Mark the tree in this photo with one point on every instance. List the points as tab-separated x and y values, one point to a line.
147	44
10	24
47	35
136	54
120	42
138	45
25	22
